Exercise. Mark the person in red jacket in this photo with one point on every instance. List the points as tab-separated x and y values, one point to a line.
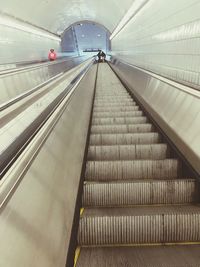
52	55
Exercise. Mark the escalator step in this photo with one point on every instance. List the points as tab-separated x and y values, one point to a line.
114	104
137	169
118	109
111	129
146	256
140	225
117	114
146	192
124	139
130	152
110	98
112	94
116	121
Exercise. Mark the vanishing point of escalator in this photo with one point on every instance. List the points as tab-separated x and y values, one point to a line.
139	209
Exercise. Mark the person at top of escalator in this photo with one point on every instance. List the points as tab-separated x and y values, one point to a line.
101	56
52	55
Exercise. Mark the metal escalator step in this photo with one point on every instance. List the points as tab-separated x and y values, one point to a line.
140	225
118	121
117	114
111	90
137	169
110	129
113	99
112	94
114	104
145	256
146	192
113	109
128	152
124	139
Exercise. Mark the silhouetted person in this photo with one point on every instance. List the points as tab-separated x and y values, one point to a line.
101	56
52	55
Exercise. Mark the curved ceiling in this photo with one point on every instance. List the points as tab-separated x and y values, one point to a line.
56	16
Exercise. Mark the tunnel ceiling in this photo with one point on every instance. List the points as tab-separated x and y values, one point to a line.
58	15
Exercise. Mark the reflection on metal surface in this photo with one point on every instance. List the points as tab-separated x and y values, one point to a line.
17	24
168	105
133	11
37	219
18	131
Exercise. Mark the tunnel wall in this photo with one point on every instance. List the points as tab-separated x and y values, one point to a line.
19	45
164	38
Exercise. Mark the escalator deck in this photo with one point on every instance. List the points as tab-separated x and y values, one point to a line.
138	207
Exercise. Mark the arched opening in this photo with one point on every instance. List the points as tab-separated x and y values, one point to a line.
85	38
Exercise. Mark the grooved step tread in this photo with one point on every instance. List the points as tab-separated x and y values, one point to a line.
153	192
119	114
119	121
146	256
140	225
125	139
135	169
100	104
141	211
128	152
129	128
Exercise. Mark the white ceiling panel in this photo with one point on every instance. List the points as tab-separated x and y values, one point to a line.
58	15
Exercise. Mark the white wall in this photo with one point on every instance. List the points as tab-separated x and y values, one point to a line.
164	37
21	45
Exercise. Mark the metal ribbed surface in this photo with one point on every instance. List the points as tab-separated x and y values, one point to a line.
138	169
114	100
114	104
147	210
111	109
116	121
112	94
135	128
140	229
124	139
145	256
130	152
120	102
140	193
117	114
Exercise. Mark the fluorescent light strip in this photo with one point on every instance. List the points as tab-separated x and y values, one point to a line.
133	10
14	23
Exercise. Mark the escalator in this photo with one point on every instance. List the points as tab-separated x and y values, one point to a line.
139	206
